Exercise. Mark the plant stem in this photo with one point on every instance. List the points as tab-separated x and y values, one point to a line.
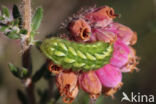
26	57
27	16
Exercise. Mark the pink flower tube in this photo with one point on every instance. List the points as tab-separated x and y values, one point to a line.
109	76
124	33
132	62
120	54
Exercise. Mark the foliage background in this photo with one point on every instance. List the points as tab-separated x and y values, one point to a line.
140	15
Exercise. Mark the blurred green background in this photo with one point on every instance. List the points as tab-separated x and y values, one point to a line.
140	15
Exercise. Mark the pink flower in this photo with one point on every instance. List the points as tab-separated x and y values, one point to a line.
109	76
101	17
120	54
90	83
102	35
124	33
131	63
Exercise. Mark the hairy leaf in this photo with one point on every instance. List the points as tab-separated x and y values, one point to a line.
37	18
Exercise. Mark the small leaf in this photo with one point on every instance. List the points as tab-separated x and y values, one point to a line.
1	18
5	11
13	35
23	73
13	69
38	44
22	97
3	28
18	72
16	14
23	31
15	22
37	18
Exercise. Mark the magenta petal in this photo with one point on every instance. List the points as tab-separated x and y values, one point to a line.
109	76
120	54
124	33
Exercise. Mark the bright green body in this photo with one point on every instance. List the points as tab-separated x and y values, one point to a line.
77	56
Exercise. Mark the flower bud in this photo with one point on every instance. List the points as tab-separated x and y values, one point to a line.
101	17
120	54
109	76
90	83
124	33
67	84
80	30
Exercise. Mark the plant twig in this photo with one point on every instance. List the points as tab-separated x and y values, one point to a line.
26	57
27	16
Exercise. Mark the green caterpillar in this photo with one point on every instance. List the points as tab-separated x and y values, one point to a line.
77	56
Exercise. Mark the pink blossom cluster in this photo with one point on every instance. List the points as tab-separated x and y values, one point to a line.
98	25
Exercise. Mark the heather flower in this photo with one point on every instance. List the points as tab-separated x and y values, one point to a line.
131	63
124	57
101	17
67	84
124	33
97	25
102	35
109	76
90	83
120	54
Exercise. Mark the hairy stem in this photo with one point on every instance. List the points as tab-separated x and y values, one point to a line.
26	57
27	16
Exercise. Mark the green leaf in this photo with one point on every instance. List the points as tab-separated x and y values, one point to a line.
23	73
1	18
5	11
13	69
17	15
13	35
38	44
18	72
15	22
23	31
37	18
3	28
22	97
